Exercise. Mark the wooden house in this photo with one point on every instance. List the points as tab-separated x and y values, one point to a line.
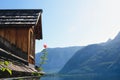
19	28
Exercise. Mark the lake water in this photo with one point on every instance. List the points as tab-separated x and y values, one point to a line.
80	77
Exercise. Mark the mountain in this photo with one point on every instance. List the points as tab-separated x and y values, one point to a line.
117	38
96	58
57	58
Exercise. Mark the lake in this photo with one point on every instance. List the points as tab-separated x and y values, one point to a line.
80	77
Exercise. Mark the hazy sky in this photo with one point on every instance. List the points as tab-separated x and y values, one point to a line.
73	22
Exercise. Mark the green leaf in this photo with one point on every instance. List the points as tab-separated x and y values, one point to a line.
6	63
9	71
43	62
40	68
3	69
45	59
42	57
44	50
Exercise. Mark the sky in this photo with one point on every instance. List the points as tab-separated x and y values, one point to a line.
73	22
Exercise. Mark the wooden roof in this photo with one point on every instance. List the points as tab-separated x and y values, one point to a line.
22	18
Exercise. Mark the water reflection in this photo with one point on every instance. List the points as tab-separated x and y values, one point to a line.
80	77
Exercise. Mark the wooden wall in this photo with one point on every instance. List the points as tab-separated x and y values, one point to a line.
16	36
21	38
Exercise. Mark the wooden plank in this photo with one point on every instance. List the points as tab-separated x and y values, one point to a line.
25	44
18	17
17	20
12	13
12	35
6	34
2	32
15	23
18	38
24	39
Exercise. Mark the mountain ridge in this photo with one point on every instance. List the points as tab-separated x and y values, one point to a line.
95	58
57	56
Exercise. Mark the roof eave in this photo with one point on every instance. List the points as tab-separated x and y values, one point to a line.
38	28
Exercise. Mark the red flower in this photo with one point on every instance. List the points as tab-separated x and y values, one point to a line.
45	46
